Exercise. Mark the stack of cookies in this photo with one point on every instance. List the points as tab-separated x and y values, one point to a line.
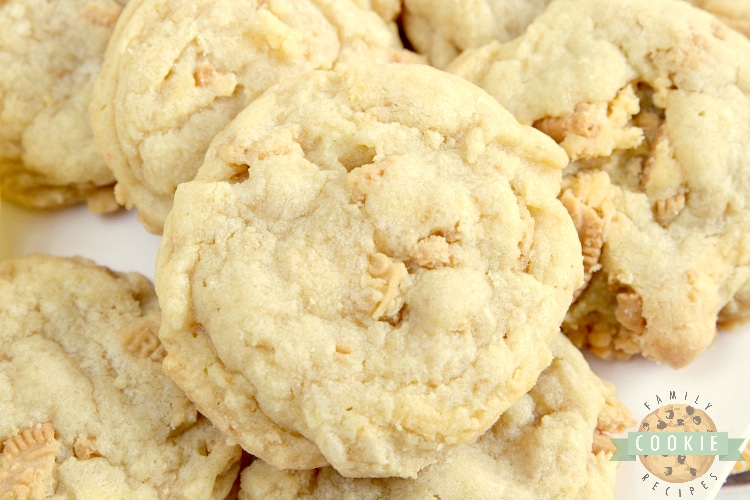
387	232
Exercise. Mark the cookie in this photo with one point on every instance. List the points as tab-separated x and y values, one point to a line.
87	411
370	263
544	446
735	14
651	103
389	10
677	418
177	72
50	53
443	29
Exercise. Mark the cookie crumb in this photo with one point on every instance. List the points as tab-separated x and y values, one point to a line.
84	447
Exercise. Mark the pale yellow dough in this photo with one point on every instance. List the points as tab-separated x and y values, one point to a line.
552	444
50	55
87	411
367	270
651	101
736	13
177	72
443	29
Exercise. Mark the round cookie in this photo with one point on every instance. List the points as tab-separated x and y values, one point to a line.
545	446
371	263
651	101
87	411
50	53
176	73
677	418
443	29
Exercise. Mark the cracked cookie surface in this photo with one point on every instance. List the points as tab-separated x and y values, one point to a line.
176	73
368	268
552	443
87	410
655	119
51	53
443	29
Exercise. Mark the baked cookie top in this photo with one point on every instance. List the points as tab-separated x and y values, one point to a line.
389	10
87	411
50	53
371	263
552	443
177	72
443	29
735	14
650	101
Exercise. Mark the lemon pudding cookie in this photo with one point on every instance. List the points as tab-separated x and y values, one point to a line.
368	268
175	73
552	443
87	411
651	101
51	53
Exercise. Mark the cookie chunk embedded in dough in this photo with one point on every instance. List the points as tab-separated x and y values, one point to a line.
367	269
175	73
651	101
87	410
50	55
552	443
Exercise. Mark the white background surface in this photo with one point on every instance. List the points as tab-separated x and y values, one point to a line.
720	376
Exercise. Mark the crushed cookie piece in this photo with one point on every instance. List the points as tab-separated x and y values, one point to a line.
596	129
84	447
433	251
665	211
142	340
662	179
27	462
602	443
207	76
590	227
362	178
203	74
629	312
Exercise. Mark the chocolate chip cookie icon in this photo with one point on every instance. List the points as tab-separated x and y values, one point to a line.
677	418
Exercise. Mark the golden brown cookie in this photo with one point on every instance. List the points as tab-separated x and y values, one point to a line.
87	411
51	53
370	263
652	104
177	72
552	443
